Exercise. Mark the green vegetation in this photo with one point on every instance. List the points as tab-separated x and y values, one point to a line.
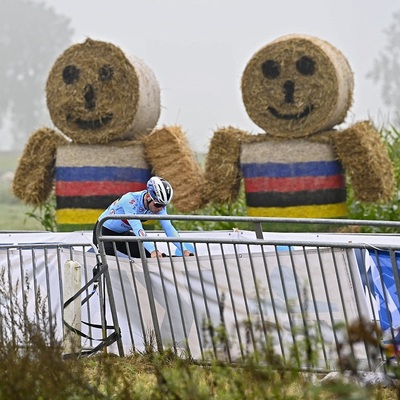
32	367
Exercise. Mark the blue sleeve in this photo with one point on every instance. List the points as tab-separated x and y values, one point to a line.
138	230
170	231
130	207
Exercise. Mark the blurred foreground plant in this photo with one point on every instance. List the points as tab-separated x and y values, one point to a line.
46	214
31	362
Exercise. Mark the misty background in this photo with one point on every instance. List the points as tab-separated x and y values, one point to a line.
197	49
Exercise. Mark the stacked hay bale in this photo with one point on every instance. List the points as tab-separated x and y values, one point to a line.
33	179
96	94
324	90
177	167
298	88
222	167
105	105
376	170
88	178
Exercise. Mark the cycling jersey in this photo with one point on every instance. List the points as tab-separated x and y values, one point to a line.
133	203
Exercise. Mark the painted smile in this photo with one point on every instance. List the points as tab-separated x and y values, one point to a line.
94	124
300	115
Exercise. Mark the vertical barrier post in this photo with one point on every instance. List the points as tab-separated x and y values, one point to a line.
72	313
149	288
110	292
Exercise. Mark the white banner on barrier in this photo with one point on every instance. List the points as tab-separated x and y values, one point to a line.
277	293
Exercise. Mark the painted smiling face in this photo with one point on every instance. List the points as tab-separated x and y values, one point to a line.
94	94
296	86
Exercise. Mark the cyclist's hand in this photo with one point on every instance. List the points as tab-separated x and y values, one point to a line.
155	254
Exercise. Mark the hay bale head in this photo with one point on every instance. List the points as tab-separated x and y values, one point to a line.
297	85
96	94
168	151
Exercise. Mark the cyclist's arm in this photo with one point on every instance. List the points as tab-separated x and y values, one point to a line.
170	231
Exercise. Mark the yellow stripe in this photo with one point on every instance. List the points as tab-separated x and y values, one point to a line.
77	216
82	216
323	211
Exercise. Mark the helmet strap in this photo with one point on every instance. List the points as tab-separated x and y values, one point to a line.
148	201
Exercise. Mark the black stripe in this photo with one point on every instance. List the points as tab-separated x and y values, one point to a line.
91	202
301	198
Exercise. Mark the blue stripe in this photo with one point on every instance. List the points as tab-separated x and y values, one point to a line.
81	174
283	170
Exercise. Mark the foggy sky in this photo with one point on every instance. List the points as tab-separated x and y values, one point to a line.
198	49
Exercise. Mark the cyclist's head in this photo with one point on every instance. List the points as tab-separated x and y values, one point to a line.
160	190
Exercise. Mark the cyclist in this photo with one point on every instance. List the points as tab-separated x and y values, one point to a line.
153	200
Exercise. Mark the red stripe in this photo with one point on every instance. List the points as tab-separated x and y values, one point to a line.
96	188
264	184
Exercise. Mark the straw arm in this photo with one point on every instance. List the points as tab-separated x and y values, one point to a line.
33	179
366	161
168	151
222	166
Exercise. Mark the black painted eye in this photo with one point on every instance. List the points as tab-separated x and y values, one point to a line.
70	74
305	65
270	69
106	72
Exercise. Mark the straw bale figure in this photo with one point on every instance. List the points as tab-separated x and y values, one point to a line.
298	89
104	104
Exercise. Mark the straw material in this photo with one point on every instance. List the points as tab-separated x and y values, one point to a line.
222	168
33	180
366	161
95	94
319	100
168	151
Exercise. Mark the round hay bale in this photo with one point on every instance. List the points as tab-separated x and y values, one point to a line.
95	94
222	170
372	177
297	85
168	151
33	179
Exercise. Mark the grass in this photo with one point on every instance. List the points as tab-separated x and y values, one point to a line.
14	218
13	213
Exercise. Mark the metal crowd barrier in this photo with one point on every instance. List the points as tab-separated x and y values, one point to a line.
36	280
318	302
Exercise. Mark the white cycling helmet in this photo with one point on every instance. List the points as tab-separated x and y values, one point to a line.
160	190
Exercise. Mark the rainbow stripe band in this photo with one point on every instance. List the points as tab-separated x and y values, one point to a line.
287	199
309	189
322	211
289	184
88	188
83	192
69	219
99	174
85	202
78	216
296	169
